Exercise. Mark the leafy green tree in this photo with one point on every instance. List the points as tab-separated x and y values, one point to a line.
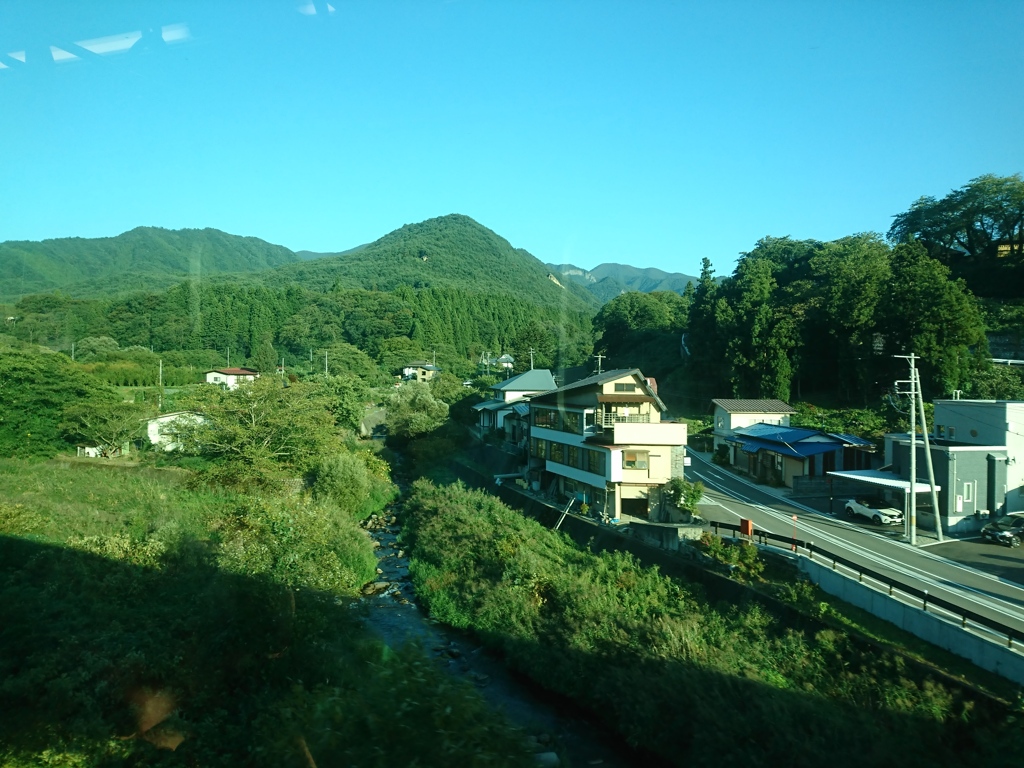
976	230
104	422
345	396
264	359
934	316
413	411
259	432
538	338
448	388
35	390
95	347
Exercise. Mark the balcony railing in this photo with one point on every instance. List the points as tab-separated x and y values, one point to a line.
611	419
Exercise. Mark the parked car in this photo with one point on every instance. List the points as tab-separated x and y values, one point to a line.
1007	530
875	511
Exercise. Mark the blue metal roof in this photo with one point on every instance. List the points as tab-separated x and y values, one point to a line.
798	442
797	451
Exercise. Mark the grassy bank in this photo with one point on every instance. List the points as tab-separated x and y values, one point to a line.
145	621
694	681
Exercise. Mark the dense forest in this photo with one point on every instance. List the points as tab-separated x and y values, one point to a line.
801	319
807	319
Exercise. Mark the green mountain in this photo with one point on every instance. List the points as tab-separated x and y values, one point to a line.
146	258
449	252
606	281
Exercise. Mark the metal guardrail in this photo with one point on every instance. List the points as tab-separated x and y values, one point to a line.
792	543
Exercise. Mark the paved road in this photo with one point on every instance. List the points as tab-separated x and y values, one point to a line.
728	498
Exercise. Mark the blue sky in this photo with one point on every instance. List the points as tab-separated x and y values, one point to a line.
647	133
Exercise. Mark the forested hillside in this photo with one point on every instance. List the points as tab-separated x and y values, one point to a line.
451	252
146	258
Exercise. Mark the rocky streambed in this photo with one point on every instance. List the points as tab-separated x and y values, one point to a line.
559	732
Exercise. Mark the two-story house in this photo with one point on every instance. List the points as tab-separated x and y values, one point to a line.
230	378
731	415
420	370
492	412
602	440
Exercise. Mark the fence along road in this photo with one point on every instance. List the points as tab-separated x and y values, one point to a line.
972	590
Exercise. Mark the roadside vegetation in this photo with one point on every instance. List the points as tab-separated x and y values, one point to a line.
694	681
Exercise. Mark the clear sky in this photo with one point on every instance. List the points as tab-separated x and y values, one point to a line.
647	133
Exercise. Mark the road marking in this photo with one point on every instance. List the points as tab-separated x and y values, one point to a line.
995	603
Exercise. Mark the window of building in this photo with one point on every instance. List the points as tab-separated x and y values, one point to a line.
595	462
538	448
545	417
571	422
625	387
952	433
721	422
634	459
572	456
968	491
940	430
556	452
588	420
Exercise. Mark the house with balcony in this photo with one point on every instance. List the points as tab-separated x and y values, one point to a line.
602	441
492	413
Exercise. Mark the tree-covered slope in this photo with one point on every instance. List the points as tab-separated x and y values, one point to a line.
606	281
451	251
145	258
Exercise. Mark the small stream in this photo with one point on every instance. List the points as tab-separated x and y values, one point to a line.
555	726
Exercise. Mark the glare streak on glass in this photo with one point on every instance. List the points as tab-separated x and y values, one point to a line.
111	43
19	55
175	33
59	54
308	9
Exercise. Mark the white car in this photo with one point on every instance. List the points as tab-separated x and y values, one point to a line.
876	513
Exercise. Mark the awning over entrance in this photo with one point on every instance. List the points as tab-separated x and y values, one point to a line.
884	479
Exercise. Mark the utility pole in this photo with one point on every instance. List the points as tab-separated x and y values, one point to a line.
72	351
531	358
599	357
910	518
282	367
229	358
325	362
928	459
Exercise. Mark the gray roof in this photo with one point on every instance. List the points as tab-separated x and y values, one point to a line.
755	406
537	380
602	378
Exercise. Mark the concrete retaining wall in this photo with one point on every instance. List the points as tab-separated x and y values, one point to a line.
984	653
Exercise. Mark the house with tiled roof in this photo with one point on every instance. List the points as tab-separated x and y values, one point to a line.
603	441
492	413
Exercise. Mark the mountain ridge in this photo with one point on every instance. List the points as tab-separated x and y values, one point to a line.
610	279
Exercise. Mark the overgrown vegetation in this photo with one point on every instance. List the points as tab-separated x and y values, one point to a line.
694	681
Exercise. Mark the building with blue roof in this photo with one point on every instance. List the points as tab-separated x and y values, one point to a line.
774	453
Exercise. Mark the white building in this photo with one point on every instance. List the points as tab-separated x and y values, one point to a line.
230	378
